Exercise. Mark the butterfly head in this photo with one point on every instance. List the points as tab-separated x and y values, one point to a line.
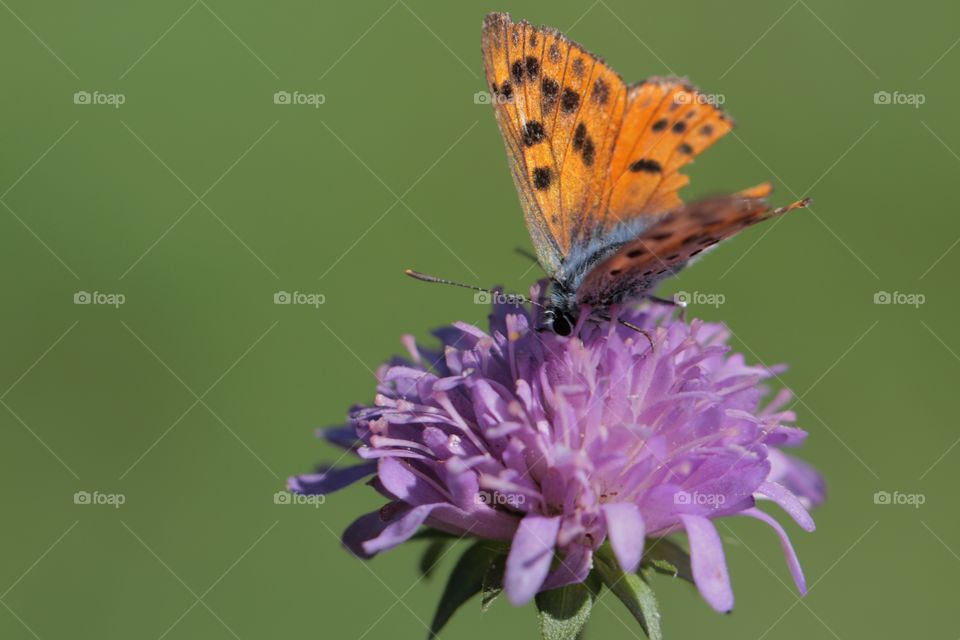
558	320
562	311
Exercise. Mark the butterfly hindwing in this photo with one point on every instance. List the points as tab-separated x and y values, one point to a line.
667	124
665	247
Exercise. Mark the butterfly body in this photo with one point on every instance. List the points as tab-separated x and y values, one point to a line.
597	167
582	258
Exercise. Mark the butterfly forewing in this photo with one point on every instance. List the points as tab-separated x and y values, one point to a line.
559	110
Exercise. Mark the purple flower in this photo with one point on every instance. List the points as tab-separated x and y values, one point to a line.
560	444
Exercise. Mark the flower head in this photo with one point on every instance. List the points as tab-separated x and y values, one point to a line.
560	444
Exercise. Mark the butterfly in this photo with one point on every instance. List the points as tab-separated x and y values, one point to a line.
597	165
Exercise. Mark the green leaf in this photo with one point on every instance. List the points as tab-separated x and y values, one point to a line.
632	589
565	611
430	559
466	580
493	582
669	558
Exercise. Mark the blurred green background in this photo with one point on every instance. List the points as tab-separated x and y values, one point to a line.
199	198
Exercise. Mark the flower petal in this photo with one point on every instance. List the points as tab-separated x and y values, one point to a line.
312	484
574	568
530	556
400	481
792	561
399	529
344	437
360	530
788	502
626	531
708	562
801	479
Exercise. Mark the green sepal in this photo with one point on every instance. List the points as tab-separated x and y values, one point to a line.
632	589
432	555
466	581
564	612
493	582
667	557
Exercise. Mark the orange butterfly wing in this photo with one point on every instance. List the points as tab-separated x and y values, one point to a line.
559	110
667	124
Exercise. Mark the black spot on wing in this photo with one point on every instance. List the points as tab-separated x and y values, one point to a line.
516	70
542	176
646	166
533	133
570	100
579	135
578	67
549	89
588	151
601	91
533	68
554	53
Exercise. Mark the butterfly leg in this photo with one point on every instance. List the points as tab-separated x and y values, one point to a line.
646	334
629	325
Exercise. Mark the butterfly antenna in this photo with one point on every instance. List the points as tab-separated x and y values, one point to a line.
416	275
526	254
